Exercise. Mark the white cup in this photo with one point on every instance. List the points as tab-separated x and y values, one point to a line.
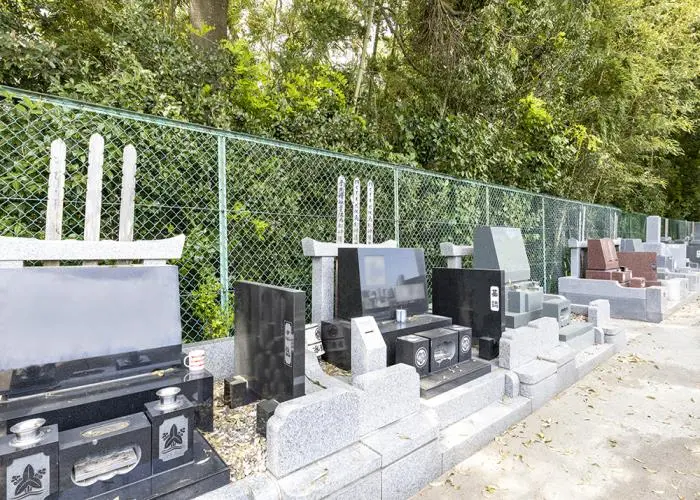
194	360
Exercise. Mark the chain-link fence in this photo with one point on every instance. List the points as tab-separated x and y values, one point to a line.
245	202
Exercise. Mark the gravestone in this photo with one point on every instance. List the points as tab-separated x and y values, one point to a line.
641	264
504	248
270	340
631	245
130	314
603	263
378	281
87	348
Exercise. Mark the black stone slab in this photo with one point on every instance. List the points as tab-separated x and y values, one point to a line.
488	348
459	374
465	296
95	403
464	340
335	336
207	472
270	340
377	281
57	376
132	432
171	434
413	350
263	412
693	252
30	472
47	313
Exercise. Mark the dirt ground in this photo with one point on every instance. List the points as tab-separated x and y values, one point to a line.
629	429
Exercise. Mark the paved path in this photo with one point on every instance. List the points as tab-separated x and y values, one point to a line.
630	429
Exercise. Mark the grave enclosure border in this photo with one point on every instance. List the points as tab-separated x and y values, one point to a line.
246	202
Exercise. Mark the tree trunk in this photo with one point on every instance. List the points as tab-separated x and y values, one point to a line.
369	20
211	13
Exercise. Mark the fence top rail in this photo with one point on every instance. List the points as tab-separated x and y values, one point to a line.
12	92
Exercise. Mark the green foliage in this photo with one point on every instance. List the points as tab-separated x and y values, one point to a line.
216	319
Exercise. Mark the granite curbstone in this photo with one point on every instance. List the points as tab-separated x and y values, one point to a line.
386	396
535	371
512	384
599	312
464	438
591	357
368	349
330	474
560	355
257	487
599	335
541	392
466	399
368	487
293	431
403	437
409	475
567	375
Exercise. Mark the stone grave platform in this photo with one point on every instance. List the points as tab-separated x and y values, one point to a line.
373	436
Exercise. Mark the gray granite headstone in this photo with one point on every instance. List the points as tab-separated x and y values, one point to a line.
59	314
653	232
631	245
501	248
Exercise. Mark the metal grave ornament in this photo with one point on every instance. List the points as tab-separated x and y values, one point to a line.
340	212
369	229
173	438
356	189
29	477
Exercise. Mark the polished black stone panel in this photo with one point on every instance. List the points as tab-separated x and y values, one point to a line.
377	281
30	472
205	473
64	375
171	434
270	340
131	314
124	444
464	334
335	336
471	297
263	411
414	351
693	252
488	348
95	403
459	374
443	348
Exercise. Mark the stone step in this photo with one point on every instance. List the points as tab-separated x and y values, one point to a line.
464	438
578	336
591	357
468	398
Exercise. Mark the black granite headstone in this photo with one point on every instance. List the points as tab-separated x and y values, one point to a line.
270	340
131	314
471	297
377	281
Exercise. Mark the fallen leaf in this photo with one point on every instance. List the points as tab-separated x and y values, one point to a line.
651	397
637	460
612	442
490	489
658	492
650	471
403	436
540	435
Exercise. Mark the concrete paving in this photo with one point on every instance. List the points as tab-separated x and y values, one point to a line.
629	429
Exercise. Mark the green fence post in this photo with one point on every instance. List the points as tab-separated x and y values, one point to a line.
544	250
223	221
397	231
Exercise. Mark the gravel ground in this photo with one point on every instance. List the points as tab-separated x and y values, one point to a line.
234	437
630	429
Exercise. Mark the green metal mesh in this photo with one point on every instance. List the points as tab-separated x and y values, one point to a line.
245	203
